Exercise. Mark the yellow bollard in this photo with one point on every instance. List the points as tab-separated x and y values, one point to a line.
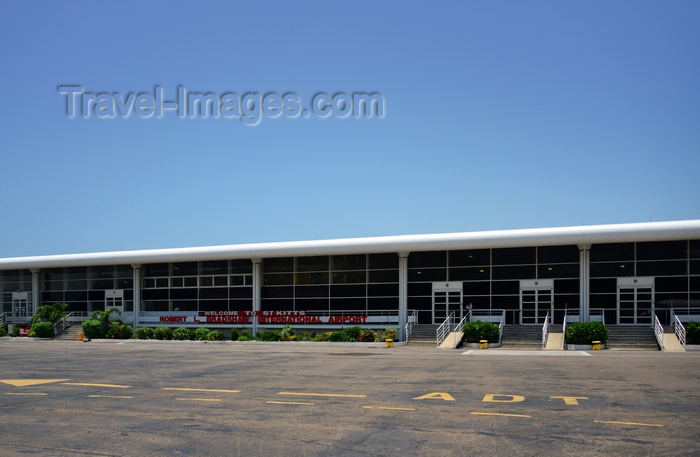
484	344
389	343
596	345
81	336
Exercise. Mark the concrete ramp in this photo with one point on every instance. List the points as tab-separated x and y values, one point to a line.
671	343
452	340
555	342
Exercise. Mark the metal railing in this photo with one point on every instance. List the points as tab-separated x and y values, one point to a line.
61	326
2	318
659	332
679	329
444	329
598	314
412	319
545	330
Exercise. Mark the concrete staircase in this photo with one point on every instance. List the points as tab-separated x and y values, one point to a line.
522	336
71	333
631	338
423	335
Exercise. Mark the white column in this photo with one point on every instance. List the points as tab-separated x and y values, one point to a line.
36	293
584	281
257	289
403	295
137	294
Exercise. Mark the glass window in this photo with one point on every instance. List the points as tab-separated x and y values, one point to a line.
273	265
427	274
311	278
557	254
237	280
76	273
427	259
514	272
349	277
349	290
100	272
469	274
383	261
214	267
695	249
558	271
156	269
349	262
670	284
612	252
50	274
278	279
383	275
317	263
311	291
470	258
662	250
514	256
242	266
613	269
185	269
670	268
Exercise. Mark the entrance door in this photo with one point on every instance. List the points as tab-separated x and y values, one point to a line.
635	301
536	300
447	298
20	306
114	298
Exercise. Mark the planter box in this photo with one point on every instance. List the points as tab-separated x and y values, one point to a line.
581	347
477	345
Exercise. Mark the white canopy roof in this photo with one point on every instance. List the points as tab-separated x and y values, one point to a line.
583	235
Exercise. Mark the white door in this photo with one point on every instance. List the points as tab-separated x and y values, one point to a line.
635	301
536	301
20	305
114	298
447	298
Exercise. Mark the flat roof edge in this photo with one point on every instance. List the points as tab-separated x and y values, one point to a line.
578	235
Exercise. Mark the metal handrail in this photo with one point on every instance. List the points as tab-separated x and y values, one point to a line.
501	325
409	323
444	329
545	330
2	318
679	329
659	331
61	326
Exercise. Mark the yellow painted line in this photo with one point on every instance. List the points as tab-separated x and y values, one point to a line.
213	400
86	384
390	408
271	402
29	382
27	394
109	396
186	389
309	394
629	423
500	414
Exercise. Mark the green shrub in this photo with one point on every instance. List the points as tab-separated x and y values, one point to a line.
586	332
692	333
50	313
182	334
163	333
3	331
267	335
287	334
215	335
92	328
201	334
390	333
475	331
145	333
245	334
368	335
42	330
336	337
120	331
235	334
353	332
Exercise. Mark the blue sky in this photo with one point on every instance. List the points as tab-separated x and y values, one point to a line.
498	115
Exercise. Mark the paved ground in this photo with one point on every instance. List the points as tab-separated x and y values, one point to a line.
154	398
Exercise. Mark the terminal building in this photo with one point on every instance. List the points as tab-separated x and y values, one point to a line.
624	274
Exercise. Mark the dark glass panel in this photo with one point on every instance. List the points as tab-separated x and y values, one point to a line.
558	254
240	305
237	280
183	294
477	302
214	267
666	284
277	292
311	291
603	301
566	286
506	302
377	290
277	305
383	261
662	250
311	278
128	294
349	277
185	269
75	296
695	267
50	274
614	270
662	268
477	288
349	262
598	286
469	274
278	279
427	259
124	283
240	292
76	273
280	264
390	303
184	305
101	272
242	266
476	257
514	272
695	249
427	274
52	297
354	304
505	287
156	269
383	275
309	304
155	294
349	291
567	270
424	303
316	263
565	301
695	284
514	256
612	252
125	271
213	305
153	305
78	307
420	288
102	284
96	295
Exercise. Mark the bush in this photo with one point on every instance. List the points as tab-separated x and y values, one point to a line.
3	331
182	334
368	336
42	330
120	331
201	334
475	331
692	333
163	333
145	333
267	335
215	335
50	313
92	328
235	334
286	334
586	332
353	332
336	337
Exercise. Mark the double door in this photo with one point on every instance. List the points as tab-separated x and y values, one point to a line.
635	301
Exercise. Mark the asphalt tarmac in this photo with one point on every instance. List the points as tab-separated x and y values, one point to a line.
142	398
